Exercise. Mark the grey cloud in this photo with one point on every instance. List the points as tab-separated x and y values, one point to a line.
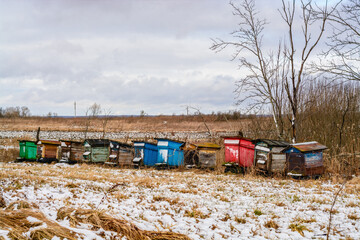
83	19
146	92
127	55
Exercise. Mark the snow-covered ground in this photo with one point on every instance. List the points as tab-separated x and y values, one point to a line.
193	135
198	204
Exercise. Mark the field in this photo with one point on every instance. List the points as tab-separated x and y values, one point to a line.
93	202
131	123
58	201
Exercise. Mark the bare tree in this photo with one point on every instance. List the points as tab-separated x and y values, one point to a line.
275	78
14	112
143	113
197	111
93	111
333	108
25	111
342	57
105	119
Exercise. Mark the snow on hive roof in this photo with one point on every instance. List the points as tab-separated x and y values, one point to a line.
170	140
152	143
237	137
52	142
70	141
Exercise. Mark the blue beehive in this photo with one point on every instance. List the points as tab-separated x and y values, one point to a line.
170	153
305	159
145	153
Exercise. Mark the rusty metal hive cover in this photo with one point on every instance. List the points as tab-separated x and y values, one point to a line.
309	146
207	145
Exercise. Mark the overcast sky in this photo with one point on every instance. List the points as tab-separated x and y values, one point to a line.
127	55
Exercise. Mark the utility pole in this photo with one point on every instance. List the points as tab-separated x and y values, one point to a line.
186	108
75	108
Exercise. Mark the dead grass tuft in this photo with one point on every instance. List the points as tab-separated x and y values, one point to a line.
2	202
226	217
353	186
297	227
159	198
121	196
355	181
319	200
9	155
271	224
195	213
224	199
21	205
182	190
280	204
146	182
353	204
332	211
302	220
101	220
240	220
72	185
353	216
17	224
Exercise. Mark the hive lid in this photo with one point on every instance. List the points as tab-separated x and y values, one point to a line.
272	143
207	145
309	146
51	142
98	142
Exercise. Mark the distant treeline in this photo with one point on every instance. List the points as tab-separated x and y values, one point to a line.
229	115
15	112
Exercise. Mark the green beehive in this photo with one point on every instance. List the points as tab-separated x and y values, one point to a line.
28	150
96	150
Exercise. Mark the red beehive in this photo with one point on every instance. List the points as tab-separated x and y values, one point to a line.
239	151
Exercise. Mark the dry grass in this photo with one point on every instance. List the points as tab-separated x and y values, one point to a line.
117	124
353	216
172	193
271	224
297	227
11	153
2	201
16	222
353	204
195	213
280	203
99	219
302	220
15	219
353	186
21	205
240	220
39	173
319	200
